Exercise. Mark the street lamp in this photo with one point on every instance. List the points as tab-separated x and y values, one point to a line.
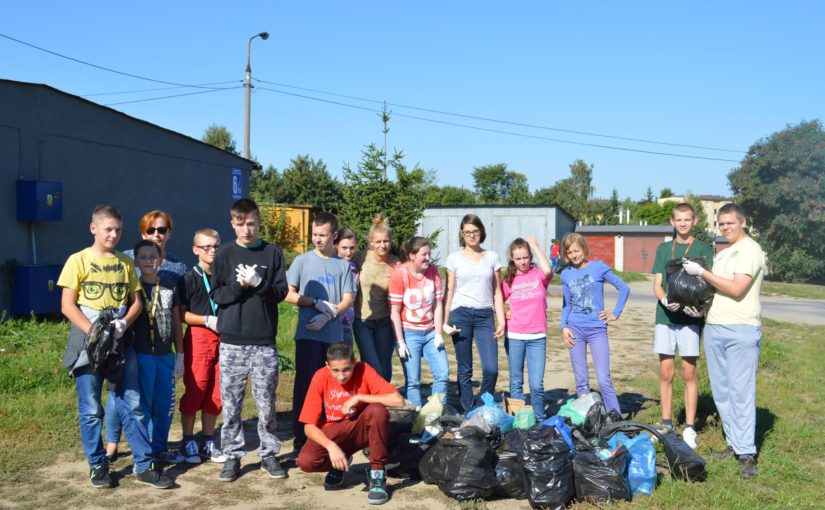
248	86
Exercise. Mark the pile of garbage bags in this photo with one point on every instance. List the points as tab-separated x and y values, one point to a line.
583	454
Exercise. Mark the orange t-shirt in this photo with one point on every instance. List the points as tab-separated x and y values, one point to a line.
326	395
417	297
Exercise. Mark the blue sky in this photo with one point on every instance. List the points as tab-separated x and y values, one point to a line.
710	74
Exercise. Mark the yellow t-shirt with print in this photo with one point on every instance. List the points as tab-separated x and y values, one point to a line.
101	281
743	257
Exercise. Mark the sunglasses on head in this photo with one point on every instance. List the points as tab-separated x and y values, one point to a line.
159	230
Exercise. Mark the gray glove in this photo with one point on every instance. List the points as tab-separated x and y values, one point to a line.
326	308
691	311
673	307
318	322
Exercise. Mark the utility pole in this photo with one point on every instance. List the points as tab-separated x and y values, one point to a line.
248	86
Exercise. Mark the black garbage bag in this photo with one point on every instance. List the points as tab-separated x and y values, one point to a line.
463	468
511	477
545	457
685	289
601	481
102	348
685	464
401	422
405	457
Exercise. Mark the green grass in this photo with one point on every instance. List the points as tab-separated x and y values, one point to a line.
797	290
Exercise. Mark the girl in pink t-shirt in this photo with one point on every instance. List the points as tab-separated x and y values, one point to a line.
525	289
415	296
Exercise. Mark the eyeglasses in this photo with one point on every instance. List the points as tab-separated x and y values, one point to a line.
94	290
208	247
471	233
160	230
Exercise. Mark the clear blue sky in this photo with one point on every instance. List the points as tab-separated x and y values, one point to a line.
713	74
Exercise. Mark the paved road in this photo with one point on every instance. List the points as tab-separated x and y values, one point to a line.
780	308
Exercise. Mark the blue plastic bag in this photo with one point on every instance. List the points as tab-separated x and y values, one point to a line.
558	422
641	465
493	414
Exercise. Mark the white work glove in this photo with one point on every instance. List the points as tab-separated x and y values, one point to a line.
211	322
179	366
439	341
692	311
450	330
249	277
326	308
403	352
673	307
319	321
120	327
692	268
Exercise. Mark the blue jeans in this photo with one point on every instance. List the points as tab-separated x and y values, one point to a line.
475	324
423	343
156	398
535	352
732	356
125	402
375	339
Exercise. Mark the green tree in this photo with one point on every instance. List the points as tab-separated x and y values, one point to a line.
304	182
781	187
666	193
220	137
449	195
700	230
494	184
649	197
367	192
611	214
265	185
572	193
655	214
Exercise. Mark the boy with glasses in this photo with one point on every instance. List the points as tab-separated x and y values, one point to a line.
92	280
200	348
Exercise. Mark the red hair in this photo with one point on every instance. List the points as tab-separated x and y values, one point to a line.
150	217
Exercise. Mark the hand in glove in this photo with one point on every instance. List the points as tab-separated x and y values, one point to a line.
450	330
211	322
692	311
178	366
249	277
318	322
692	268
673	307
403	352
120	327
326	308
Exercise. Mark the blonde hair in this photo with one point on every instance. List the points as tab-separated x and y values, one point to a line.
571	239
208	232
380	226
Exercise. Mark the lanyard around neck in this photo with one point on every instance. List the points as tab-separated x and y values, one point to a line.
673	248
208	290
152	310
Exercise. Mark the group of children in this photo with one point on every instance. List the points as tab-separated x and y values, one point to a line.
229	301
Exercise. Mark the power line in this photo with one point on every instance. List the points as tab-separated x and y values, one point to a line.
500	121
500	131
169	97
156	89
100	67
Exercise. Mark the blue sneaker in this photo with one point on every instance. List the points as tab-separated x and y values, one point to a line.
168	457
378	487
212	453
189	451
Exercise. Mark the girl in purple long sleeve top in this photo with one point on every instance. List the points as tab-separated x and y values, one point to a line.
583	318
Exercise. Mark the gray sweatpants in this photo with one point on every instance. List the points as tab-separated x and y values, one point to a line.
239	363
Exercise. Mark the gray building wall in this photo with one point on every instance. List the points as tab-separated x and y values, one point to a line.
502	224
103	156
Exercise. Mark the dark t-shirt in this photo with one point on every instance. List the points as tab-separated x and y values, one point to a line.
668	251
192	292
163	340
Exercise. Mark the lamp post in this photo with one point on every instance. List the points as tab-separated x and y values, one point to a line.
248	86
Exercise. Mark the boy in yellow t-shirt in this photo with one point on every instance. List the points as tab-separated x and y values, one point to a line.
93	280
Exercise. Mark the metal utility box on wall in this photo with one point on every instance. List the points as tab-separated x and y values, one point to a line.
39	201
35	290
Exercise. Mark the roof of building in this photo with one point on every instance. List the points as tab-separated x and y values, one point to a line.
112	110
624	229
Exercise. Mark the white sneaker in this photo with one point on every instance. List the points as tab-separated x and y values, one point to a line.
211	452
689	435
189	452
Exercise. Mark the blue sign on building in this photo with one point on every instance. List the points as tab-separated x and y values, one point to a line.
237	183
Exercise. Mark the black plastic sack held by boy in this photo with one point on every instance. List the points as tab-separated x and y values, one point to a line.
101	346
685	289
601	481
545	457
463	468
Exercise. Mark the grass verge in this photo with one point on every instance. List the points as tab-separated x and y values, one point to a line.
797	290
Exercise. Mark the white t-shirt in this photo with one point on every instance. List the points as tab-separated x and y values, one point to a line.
474	282
743	257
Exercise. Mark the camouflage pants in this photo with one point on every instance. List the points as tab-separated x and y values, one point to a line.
239	363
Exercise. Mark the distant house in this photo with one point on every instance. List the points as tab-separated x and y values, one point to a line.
503	223
710	203
99	155
626	247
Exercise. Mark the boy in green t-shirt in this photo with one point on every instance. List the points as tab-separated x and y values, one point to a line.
675	329
95	279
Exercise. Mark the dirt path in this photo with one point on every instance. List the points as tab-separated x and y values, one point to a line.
64	483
